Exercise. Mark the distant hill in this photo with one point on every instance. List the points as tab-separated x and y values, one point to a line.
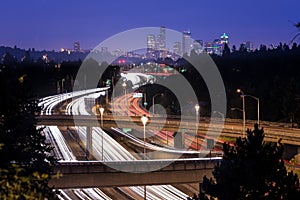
36	55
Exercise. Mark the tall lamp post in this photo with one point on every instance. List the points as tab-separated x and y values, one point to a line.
101	117
253	97
244	111
197	108
144	120
153	98
124	86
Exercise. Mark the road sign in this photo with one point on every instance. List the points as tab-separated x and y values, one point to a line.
137	95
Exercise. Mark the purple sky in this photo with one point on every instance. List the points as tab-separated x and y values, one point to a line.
52	24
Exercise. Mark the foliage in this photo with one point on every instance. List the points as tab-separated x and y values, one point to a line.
252	169
25	157
15	185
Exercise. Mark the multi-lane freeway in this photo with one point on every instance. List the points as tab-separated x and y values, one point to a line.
60	110
113	151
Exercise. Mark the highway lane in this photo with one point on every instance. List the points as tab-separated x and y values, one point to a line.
49	103
114	151
62	150
123	109
163	137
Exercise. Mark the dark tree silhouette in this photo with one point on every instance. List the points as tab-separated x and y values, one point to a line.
226	50
26	160
297	25
252	169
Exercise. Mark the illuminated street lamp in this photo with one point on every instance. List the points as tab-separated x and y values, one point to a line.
101	115
244	111
144	120
197	108
124	86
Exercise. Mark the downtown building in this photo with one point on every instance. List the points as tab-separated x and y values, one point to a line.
217	46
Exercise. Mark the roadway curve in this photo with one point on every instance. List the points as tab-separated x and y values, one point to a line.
114	152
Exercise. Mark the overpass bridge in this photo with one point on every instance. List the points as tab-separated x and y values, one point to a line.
87	174
231	128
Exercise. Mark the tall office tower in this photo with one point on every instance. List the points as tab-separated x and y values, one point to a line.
224	38
177	48
76	46
186	42
151	43
161	39
209	47
198	46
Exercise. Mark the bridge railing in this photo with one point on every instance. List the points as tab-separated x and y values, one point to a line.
171	119
136	166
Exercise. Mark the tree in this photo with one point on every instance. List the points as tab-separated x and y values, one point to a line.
226	50
25	157
252	169
297	25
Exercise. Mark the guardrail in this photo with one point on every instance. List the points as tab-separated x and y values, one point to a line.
109	116
136	166
132	173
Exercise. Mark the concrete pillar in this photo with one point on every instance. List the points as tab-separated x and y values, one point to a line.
89	143
179	140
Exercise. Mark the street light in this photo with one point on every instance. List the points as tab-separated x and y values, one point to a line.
144	120
197	108
101	117
124	86
153	98
244	111
253	97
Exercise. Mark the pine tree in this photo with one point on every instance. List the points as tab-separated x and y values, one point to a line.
25	159
252	169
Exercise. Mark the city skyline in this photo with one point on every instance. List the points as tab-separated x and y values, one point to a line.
52	25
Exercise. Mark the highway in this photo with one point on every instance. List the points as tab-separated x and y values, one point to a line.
114	151
74	105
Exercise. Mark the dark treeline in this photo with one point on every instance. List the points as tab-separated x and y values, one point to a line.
271	74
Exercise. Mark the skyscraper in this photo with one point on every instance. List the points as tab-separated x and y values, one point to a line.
186	42
198	46
150	43
224	38
177	48
161	39
76	46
